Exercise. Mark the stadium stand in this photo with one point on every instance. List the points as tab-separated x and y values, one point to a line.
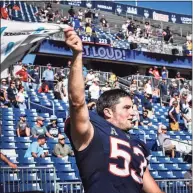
53	174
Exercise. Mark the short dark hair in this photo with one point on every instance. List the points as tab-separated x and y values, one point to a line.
109	99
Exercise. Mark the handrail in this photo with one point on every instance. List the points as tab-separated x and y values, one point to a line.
53	105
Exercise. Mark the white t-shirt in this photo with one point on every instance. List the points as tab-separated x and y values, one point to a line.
90	77
148	89
94	91
21	97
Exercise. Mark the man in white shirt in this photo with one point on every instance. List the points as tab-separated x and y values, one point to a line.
89	78
94	90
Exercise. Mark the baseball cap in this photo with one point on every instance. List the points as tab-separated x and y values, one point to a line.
53	117
41	137
163	127
60	137
22	115
39	118
175	94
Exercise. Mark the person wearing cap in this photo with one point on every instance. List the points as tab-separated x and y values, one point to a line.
23	129
146	103
163	91
185	89
36	78
164	140
39	128
48	76
89	78
144	119
173	113
179	77
36	149
52	128
61	149
4	84
24	76
94	90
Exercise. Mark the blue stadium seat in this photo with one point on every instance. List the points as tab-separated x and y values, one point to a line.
177	160
9	177
179	174
8	139
172	167
164	160
154	160
158	167
48	177
166	174
8	128
23	139
23	145
8	145
184	166
64	168
29	177
30	187
70	176
155	174
157	153
43	161
58	160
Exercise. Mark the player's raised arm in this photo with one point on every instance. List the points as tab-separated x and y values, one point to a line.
81	128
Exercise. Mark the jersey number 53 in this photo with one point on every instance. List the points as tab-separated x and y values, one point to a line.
116	152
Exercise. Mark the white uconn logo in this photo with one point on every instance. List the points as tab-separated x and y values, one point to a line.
119	9
89	4
146	13
173	18
132	10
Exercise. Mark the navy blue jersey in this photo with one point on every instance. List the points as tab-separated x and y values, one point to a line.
113	162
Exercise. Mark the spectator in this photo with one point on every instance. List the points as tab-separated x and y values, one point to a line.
4	84
124	28
39	128
147	30
20	98
144	119
6	160
23	75
138	31
186	89
179	77
60	89
168	38
133	85
147	104
186	111
57	17
61	149
131	38
148	87
18	83
159	33
173	116
89	78
80	15
65	20
5	13
150	72
36	149
96	14
52	128
116	85
120	35
88	16
88	29
106	87
156	76
23	129
164	73
133	96
11	94
44	87
59	73
103	21
50	16
35	78
173	87
16	7
94	90
165	141
48	76
163	90
84	69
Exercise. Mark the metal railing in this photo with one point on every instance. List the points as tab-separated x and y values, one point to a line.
44	179
175	185
36	104
28	179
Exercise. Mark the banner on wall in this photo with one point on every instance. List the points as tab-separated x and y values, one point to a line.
123	9
115	54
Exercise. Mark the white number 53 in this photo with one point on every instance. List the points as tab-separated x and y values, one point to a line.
116	152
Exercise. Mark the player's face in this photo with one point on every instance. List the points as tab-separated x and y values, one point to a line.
123	114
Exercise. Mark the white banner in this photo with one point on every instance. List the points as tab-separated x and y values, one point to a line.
18	37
